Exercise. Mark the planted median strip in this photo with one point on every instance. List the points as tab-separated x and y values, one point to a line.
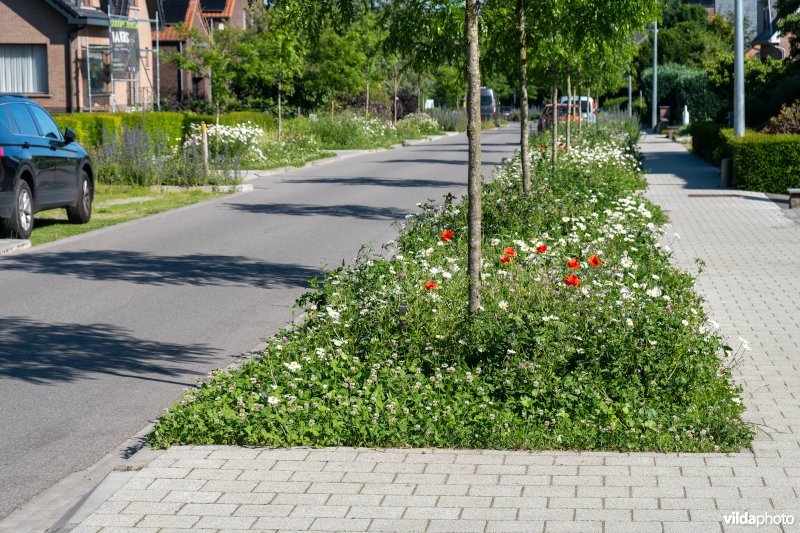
587	337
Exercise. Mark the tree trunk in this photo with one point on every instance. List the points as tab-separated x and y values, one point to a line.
569	107
280	90
554	97
523	104
367	110
474	140
580	107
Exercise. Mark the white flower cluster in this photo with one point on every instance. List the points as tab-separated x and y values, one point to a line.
244	139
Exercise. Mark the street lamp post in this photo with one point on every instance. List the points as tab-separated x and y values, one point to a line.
738	71
655	75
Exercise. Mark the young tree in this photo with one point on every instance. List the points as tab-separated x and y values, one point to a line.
211	54
474	140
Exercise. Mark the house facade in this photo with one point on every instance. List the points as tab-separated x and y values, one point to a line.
760	31
59	53
203	16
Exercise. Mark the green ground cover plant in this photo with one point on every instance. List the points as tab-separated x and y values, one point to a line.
114	204
587	337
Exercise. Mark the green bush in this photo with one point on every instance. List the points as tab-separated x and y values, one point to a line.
680	85
707	141
766	163
91	128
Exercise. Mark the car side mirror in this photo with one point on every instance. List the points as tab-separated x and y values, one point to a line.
69	136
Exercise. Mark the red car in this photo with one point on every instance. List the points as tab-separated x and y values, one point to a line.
546	119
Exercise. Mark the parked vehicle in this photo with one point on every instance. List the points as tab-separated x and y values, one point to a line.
588	108
40	168
546	118
489	109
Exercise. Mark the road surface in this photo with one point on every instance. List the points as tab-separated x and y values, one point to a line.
100	332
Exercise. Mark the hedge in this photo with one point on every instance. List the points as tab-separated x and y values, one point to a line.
163	126
766	163
707	141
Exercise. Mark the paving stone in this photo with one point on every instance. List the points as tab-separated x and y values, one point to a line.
380	524
271	510
514	526
209	509
466	526
431	513
189	496
183	521
319	511
340	524
226	522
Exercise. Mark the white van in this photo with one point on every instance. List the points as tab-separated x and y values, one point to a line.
588	109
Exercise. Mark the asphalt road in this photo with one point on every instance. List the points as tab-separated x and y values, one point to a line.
100	332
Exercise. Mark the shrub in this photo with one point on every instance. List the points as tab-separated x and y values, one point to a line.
707	141
766	163
450	119
91	128
417	125
681	85
353	131
787	121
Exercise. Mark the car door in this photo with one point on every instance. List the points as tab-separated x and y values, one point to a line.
65	157
37	150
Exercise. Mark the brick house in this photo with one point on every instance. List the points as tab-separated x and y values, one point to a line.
759	27
204	16
57	53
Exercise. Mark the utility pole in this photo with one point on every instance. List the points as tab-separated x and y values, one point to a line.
655	75
738	71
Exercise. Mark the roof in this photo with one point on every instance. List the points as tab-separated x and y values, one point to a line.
77	13
217	8
177	12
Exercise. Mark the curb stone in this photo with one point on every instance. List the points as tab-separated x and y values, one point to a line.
9	246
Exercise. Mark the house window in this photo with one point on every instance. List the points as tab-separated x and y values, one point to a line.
23	68
98	70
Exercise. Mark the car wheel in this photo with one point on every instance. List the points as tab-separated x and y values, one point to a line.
82	212
20	224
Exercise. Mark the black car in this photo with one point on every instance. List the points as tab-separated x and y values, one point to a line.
40	168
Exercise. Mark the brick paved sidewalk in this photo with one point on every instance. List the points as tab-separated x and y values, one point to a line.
751	248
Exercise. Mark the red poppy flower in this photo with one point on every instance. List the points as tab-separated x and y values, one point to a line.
595	261
431	285
541	248
447	235
573	280
511	251
574	264
542	146
505	259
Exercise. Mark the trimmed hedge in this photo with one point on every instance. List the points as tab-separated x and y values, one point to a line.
707	141
766	163
163	126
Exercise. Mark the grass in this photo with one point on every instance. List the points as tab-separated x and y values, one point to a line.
113	204
587	338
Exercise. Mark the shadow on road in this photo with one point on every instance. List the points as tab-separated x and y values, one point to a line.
379	182
426	161
44	353
142	268
352	211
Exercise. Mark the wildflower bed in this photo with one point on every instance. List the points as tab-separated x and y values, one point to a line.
587	337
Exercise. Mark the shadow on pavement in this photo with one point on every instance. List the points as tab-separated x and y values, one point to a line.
142	268
42	353
379	182
352	211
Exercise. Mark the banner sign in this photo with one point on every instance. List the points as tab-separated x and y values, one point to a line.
124	46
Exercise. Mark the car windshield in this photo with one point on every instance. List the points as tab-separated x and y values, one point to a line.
486	100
